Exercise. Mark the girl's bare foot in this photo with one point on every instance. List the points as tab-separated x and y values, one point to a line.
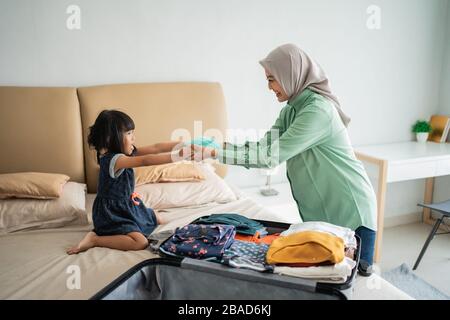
85	244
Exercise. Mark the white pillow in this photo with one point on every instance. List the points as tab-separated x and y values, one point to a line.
68	209
183	194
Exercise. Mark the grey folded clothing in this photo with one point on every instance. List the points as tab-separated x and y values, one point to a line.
156	239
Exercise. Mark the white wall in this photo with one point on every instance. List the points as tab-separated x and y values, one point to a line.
442	184
386	79
445	76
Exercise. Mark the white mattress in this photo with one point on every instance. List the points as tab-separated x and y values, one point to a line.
34	264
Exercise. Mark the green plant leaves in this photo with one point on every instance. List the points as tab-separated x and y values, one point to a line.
421	126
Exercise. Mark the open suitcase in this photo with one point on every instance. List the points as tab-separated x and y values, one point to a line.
173	278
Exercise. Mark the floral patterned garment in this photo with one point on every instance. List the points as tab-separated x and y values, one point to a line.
200	241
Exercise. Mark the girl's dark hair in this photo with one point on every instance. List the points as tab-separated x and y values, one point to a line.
107	131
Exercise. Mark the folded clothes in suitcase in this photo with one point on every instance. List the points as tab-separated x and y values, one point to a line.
171	277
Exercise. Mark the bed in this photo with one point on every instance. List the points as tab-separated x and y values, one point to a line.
50	126
34	264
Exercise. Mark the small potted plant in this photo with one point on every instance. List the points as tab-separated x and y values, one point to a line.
422	128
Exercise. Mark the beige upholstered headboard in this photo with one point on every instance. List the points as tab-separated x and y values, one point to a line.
157	110
45	129
40	130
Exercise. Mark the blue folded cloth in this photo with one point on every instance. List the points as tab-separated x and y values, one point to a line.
204	142
200	241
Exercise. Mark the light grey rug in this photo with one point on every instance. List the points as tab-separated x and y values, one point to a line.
404	278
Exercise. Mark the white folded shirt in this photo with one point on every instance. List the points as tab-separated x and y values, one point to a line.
336	273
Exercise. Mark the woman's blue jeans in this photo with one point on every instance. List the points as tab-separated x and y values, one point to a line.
367	243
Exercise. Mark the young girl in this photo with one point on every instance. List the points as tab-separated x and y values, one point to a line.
121	220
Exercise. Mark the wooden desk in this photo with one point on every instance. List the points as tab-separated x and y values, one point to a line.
405	161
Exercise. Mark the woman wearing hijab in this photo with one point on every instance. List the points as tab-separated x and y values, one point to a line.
328	183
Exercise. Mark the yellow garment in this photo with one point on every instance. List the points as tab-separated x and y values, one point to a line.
306	247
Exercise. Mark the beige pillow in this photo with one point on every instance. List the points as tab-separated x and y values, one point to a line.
35	185
171	172
68	209
185	194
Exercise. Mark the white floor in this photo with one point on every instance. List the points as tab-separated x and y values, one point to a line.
402	244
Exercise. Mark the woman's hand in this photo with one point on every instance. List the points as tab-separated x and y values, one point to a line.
202	153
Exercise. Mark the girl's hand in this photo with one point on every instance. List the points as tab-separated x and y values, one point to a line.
185	153
194	152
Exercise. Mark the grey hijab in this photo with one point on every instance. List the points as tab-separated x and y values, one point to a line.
296	71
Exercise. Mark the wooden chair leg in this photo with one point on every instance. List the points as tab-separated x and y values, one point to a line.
428	198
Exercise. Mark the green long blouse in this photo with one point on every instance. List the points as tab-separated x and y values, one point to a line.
327	181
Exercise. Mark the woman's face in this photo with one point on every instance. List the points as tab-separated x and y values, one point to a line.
276	88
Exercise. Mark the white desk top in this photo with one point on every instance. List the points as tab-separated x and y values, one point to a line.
410	160
401	151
